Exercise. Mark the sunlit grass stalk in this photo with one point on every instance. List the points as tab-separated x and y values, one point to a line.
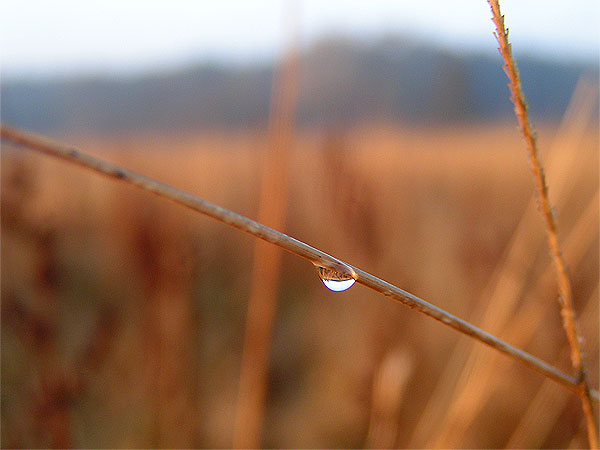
390	381
549	402
315	256
564	284
479	378
262	304
499	299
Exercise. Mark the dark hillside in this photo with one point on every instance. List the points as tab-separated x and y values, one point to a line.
342	82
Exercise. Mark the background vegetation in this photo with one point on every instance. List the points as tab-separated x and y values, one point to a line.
123	316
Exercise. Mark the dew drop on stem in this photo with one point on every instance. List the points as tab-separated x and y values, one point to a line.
334	280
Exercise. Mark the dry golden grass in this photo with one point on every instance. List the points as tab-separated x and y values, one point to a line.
441	207
565	290
266	273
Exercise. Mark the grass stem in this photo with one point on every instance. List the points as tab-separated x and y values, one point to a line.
266	266
317	257
564	285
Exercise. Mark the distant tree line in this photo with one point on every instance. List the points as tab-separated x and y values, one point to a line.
342	82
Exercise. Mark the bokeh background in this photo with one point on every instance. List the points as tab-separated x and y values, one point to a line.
380	132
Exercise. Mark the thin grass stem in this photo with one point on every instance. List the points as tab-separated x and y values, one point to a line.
498	300
564	284
266	265
317	257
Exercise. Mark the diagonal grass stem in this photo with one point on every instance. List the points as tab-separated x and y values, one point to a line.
317	257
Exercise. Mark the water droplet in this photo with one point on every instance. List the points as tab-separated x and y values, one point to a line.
334	280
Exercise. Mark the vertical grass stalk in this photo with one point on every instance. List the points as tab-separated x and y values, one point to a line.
564	284
262	304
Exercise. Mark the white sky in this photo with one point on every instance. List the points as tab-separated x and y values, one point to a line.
126	36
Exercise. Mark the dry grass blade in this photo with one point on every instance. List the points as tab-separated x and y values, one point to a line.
262	304
500	297
389	384
288	243
548	403
479	378
564	284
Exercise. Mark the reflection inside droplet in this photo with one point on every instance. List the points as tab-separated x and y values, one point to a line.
334	280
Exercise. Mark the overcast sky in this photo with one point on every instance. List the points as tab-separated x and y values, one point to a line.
76	36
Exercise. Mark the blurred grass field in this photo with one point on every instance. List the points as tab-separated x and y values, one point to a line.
123	315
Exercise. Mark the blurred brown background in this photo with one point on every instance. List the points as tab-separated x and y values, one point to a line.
124	317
